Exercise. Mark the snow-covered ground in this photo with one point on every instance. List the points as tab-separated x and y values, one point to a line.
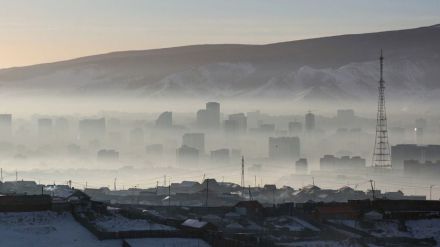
292	223
425	228
319	244
46	228
117	223
389	228
167	242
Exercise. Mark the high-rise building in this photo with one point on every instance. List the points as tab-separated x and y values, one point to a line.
284	148
61	128
427	168
345	118
213	112
330	162
165	120
209	118
421	123
45	128
108	155
187	155
154	149
295	127
402	152
137	136
92	129
253	119
236	123
310	122
418	136
194	140
301	166
5	127
220	155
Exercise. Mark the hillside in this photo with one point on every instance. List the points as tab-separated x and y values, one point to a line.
325	69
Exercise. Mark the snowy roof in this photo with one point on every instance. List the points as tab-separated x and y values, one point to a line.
167	242
193	223
234	225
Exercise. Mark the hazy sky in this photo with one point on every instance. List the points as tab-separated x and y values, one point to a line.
36	31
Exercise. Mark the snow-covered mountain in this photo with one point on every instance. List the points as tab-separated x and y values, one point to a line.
332	68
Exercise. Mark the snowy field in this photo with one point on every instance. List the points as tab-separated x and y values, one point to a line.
389	228
425	228
319	244
167	242
116	223
46	228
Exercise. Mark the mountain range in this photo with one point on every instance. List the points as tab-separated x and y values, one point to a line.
337	68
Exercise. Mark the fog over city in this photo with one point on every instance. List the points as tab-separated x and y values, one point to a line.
197	123
141	118
141	142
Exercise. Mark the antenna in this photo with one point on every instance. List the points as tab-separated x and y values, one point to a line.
381	152
114	185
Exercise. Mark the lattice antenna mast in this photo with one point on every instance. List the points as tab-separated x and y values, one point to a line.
381	153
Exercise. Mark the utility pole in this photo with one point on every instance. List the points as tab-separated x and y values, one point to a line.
169	196
430	191
242	176
207	187
164	180
203	177
372	189
1	176
273	196
157	186
16	175
86	184
250	194
114	185
255	181
313	181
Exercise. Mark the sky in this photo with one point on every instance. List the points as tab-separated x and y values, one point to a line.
38	31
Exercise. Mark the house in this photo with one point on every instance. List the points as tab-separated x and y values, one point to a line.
249	208
336	211
373	216
23	203
198	225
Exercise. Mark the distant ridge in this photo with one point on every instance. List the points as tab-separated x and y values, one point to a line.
331	68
